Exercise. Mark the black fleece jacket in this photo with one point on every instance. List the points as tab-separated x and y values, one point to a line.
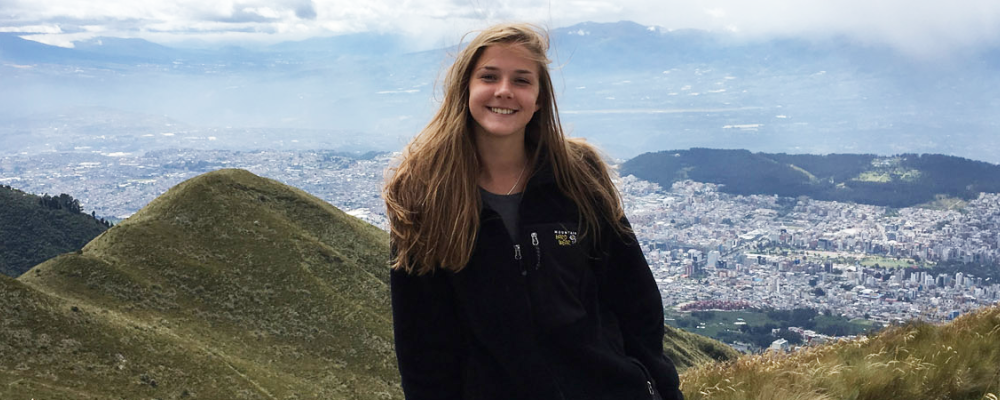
552	315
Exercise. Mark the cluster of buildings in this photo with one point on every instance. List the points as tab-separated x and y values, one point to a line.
116	185
790	253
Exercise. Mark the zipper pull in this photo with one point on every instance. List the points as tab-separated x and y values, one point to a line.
538	250
649	385
517	252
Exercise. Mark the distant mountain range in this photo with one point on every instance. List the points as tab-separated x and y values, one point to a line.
227	286
36	228
896	181
629	88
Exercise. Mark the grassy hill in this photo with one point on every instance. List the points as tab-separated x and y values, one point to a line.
959	360
32	232
227	286
896	181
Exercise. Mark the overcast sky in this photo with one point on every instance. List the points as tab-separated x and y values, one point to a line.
918	26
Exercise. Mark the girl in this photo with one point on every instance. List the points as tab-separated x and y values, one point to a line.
515	274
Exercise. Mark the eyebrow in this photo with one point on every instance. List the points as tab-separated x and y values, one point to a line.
517	71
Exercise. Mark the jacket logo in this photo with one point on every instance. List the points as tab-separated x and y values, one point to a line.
565	238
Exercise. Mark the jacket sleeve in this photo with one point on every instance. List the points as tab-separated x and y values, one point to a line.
427	335
635	299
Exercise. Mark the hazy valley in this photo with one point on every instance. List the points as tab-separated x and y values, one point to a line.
629	88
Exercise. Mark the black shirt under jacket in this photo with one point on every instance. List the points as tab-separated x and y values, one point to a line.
548	316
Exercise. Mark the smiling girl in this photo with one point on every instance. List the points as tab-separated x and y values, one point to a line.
515	274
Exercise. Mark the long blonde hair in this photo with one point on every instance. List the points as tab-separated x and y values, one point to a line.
432	195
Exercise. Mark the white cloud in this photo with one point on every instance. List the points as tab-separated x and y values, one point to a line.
31	29
265	12
61	40
716	12
913	25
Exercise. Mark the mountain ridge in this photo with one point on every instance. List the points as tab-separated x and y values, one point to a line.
269	306
902	180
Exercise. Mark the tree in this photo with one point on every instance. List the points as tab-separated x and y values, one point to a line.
792	337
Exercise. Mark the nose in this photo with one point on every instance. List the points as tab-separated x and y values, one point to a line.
503	89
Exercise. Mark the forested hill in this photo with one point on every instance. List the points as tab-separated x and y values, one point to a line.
36	228
895	181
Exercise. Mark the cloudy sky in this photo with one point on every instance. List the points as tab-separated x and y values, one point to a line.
919	26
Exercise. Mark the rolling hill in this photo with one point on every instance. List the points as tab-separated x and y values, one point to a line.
227	286
896	181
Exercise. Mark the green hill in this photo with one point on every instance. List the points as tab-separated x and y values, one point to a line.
227	286
896	181
959	360
36	228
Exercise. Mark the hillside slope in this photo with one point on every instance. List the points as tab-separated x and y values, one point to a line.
959	360
31	232
227	286
896	181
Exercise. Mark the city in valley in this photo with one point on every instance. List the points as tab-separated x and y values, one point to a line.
707	249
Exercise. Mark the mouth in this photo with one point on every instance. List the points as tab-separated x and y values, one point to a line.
502	111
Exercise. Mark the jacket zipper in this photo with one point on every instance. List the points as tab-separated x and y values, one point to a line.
517	257
649	378
538	250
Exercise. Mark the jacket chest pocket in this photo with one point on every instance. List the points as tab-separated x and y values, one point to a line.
558	270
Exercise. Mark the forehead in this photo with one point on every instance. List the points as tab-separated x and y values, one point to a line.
507	57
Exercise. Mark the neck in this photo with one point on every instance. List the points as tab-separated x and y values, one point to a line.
504	164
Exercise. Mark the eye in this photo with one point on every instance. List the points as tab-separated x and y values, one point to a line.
489	77
523	81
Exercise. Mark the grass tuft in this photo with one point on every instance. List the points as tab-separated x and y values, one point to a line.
959	360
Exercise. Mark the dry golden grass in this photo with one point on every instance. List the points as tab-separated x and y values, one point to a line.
959	360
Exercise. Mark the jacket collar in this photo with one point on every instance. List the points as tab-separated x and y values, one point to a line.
543	174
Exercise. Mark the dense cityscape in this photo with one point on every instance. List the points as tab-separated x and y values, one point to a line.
706	248
728	242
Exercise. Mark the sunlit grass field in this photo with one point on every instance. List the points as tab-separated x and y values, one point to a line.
958	360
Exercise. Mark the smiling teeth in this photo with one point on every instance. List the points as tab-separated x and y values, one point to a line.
504	111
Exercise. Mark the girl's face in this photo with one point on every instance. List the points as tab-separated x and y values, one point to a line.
503	90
